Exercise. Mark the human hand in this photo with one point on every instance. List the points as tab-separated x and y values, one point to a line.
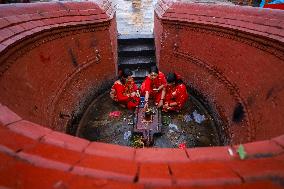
166	106
133	94
155	89
160	104
137	94
145	105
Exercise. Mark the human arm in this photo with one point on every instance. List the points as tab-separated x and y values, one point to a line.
120	93
135	88
146	99
160	104
159	88
181	95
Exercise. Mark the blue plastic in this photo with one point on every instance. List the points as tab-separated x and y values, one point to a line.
142	102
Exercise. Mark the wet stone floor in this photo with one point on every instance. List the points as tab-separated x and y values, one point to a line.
192	127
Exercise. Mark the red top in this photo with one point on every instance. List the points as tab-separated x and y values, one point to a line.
120	92
155	83
274	6
176	94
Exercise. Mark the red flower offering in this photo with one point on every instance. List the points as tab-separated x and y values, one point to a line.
115	114
182	146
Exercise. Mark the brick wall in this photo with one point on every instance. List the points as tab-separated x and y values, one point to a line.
233	56
55	57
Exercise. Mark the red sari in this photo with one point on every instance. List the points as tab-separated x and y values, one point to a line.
176	93
149	85
122	94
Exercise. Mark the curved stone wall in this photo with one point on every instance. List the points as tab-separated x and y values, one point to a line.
234	57
54	58
33	156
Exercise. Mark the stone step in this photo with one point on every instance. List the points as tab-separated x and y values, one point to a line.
136	52
146	53
135	36
136	62
141	46
137	41
139	74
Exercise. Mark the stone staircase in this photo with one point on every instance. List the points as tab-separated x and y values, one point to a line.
137	54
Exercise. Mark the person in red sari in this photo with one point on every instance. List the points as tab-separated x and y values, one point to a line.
125	91
174	95
153	86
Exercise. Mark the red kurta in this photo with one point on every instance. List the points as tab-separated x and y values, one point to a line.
122	94
176	94
149	85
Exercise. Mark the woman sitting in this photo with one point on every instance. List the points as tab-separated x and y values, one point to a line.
174	94
125	91
153	85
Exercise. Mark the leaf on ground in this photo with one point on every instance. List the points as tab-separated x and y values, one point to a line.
241	151
166	120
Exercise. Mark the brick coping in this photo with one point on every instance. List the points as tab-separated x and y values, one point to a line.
41	147
21	21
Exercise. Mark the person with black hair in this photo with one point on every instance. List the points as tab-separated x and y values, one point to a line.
153	86
175	94
125	91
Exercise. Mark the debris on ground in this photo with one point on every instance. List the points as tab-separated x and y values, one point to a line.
241	151
115	114
198	118
230	151
182	146
127	135
173	126
99	123
180	117
187	118
137	142
166	120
